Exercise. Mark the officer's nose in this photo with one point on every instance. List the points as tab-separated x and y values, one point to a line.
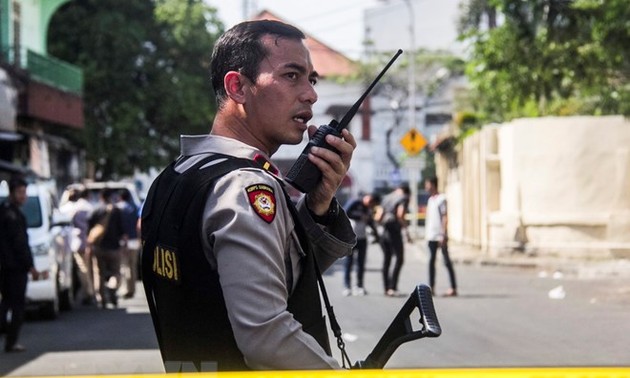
309	95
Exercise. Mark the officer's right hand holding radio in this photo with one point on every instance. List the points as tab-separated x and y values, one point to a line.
333	167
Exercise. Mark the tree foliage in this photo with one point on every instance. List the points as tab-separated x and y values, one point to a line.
551	57
146	75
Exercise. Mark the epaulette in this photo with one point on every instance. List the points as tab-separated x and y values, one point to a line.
265	164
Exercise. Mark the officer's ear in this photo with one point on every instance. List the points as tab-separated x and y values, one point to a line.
236	85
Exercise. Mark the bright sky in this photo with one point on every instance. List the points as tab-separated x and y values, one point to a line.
338	23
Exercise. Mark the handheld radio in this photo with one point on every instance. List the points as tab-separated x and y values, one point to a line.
304	175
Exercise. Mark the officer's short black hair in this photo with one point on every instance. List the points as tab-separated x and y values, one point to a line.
16	182
241	49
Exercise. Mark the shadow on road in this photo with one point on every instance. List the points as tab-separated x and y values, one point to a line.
83	329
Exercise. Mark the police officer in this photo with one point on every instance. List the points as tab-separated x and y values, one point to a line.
16	261
229	263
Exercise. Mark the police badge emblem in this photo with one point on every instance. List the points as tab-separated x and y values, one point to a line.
263	201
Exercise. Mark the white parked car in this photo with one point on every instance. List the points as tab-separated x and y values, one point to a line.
50	235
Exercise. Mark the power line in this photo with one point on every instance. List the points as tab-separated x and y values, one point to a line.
329	12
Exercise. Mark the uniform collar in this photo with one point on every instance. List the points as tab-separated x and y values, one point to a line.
201	144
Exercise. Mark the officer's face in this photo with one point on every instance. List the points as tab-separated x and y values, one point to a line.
279	104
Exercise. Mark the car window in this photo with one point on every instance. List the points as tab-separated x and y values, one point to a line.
32	211
93	196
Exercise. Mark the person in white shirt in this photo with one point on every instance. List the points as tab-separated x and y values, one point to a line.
436	233
79	208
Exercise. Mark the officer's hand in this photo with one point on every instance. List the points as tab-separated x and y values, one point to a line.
333	167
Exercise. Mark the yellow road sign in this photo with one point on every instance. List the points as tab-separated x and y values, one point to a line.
413	142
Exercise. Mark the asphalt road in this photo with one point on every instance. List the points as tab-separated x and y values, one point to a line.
503	317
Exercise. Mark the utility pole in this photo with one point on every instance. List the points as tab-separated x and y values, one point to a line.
413	163
248	7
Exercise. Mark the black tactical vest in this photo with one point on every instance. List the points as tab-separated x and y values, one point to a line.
183	290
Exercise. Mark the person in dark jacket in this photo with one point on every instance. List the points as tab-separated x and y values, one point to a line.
392	217
360	210
16	261
107	248
131	244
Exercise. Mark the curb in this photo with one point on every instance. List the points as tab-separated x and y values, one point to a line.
576	267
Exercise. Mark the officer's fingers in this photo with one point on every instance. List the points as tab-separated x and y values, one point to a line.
330	163
331	178
344	146
348	137
326	188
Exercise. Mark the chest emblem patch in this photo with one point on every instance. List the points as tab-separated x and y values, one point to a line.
263	201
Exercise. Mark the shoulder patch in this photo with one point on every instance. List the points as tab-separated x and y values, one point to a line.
263	201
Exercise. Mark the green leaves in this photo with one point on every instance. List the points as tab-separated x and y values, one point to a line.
552	57
146	69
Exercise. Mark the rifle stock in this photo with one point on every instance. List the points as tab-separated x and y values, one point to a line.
401	329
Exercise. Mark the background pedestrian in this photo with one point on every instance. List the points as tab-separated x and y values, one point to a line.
360	210
436	233
80	210
16	261
392	217
131	244
104	237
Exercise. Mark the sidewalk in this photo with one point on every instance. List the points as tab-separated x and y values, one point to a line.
580	268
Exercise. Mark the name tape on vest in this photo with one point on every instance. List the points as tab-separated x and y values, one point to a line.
166	264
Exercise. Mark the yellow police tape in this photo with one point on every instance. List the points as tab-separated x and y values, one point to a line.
446	373
577	372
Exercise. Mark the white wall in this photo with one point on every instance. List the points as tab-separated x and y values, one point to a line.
562	188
